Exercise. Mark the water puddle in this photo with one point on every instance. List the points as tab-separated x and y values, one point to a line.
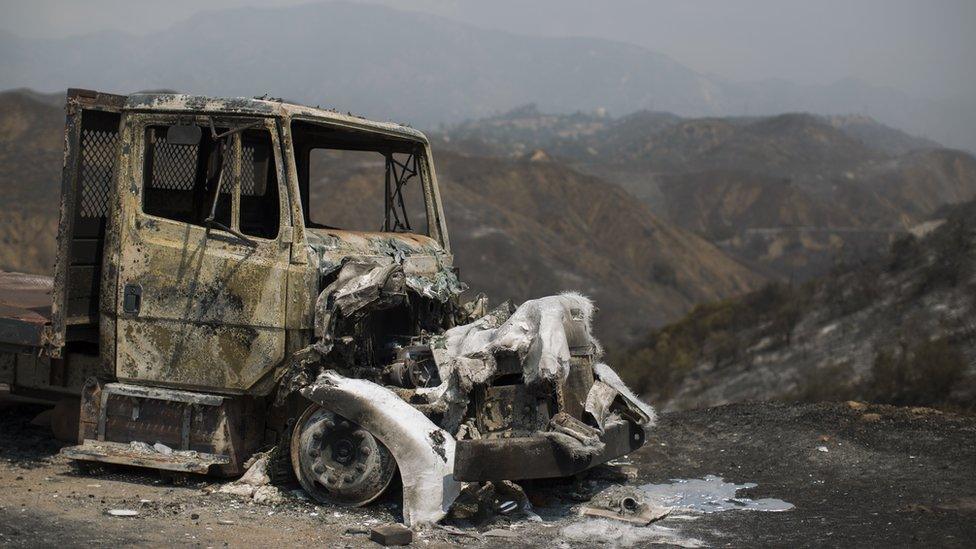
708	495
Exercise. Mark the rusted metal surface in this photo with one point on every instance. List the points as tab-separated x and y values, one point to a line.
212	311
123	423
124	454
94	116
538	457
163	102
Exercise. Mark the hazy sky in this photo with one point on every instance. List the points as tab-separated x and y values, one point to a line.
924	47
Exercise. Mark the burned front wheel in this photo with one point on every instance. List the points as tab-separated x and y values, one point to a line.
337	461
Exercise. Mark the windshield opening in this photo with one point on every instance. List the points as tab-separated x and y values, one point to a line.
358	181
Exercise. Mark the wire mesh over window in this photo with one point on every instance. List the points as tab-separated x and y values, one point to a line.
254	168
174	166
96	171
247	170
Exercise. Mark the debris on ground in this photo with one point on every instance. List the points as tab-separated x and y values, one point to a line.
616	515
458	532
478	503
922	451
122	512
255	484
391	534
257	471
625	504
268	495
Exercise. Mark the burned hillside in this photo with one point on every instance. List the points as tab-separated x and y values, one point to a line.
896	330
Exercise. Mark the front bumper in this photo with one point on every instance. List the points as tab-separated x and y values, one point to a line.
537	457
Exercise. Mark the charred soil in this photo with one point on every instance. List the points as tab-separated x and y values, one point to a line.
858	475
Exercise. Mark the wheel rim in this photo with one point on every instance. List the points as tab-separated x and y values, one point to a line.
337	461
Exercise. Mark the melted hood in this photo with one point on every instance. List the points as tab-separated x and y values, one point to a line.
428	268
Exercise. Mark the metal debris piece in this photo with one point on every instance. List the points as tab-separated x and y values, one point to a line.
458	532
624	504
425	462
391	534
507	507
136	453
122	512
480	502
578	438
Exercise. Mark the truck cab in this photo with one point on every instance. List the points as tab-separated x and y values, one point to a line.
235	275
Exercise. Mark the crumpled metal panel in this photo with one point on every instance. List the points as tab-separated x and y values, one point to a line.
428	268
423	451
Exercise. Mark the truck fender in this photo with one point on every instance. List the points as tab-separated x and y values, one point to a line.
424	452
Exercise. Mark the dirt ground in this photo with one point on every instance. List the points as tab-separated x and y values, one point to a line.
867	477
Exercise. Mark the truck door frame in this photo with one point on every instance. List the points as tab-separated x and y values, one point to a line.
223	331
79	288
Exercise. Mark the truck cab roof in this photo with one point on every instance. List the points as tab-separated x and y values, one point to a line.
265	107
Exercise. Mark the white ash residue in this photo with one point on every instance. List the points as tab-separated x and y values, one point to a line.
708	495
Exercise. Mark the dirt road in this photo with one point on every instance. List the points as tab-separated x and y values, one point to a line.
875	476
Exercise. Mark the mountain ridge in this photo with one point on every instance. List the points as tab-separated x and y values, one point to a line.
790	195
384	62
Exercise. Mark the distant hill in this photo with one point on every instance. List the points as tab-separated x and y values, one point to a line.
31	141
878	136
791	195
427	70
897	330
520	229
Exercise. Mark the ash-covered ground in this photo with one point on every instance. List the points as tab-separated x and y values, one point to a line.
854	475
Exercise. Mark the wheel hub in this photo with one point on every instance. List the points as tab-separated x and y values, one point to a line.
337	461
343	452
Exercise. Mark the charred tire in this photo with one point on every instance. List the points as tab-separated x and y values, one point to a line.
337	461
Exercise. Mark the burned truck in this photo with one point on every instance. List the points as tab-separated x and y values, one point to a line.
213	298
